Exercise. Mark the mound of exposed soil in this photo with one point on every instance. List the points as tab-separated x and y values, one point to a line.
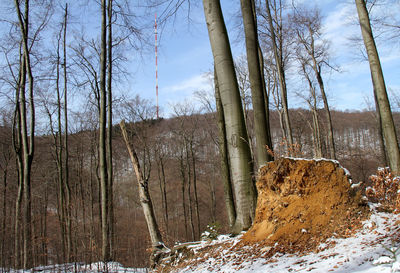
302	203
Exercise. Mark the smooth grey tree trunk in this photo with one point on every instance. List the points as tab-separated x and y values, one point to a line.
159	156
105	247
389	131
66	146
380	133
237	138
58	150
18	151
4	212
223	151
27	141
110	171
256	82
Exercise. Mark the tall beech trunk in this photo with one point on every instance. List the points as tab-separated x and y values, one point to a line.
382	150
104	193
18	151
183	187
4	217
223	151
109	132
238	145
196	197
58	150
256	82
27	141
388	129
189	191
162	184
145	199
66	147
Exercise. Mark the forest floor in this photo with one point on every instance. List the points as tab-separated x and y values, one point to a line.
309	218
370	249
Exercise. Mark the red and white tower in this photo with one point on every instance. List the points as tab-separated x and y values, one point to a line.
155	36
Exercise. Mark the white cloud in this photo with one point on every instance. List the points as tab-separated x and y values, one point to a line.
196	82
183	91
339	26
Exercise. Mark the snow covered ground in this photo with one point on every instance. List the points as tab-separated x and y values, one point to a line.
371	250
111	267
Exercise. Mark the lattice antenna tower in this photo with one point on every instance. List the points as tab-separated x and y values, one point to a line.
155	36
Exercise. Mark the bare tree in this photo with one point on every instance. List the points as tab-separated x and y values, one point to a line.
66	133
312	101
314	53
110	176
105	249
389	132
276	36
25	146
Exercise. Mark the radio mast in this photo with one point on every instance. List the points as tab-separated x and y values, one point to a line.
155	36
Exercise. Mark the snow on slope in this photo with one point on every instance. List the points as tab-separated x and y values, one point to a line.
364	252
368	251
111	267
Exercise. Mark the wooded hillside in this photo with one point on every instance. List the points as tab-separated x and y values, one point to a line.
180	155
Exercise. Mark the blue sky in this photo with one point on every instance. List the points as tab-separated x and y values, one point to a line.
185	55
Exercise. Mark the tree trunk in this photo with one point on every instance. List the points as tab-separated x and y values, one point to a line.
196	198
238	145
389	131
281	76
109	134
162	185
382	150
145	200
66	148
104	195
313	108
256	83
223	151
58	150
26	141
4	218
183	185
18	151
189	192
331	141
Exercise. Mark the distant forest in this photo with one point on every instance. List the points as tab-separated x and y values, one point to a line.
180	154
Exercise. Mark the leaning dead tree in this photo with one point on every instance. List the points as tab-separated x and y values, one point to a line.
157	242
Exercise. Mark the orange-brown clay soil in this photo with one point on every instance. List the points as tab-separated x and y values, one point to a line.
301	203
